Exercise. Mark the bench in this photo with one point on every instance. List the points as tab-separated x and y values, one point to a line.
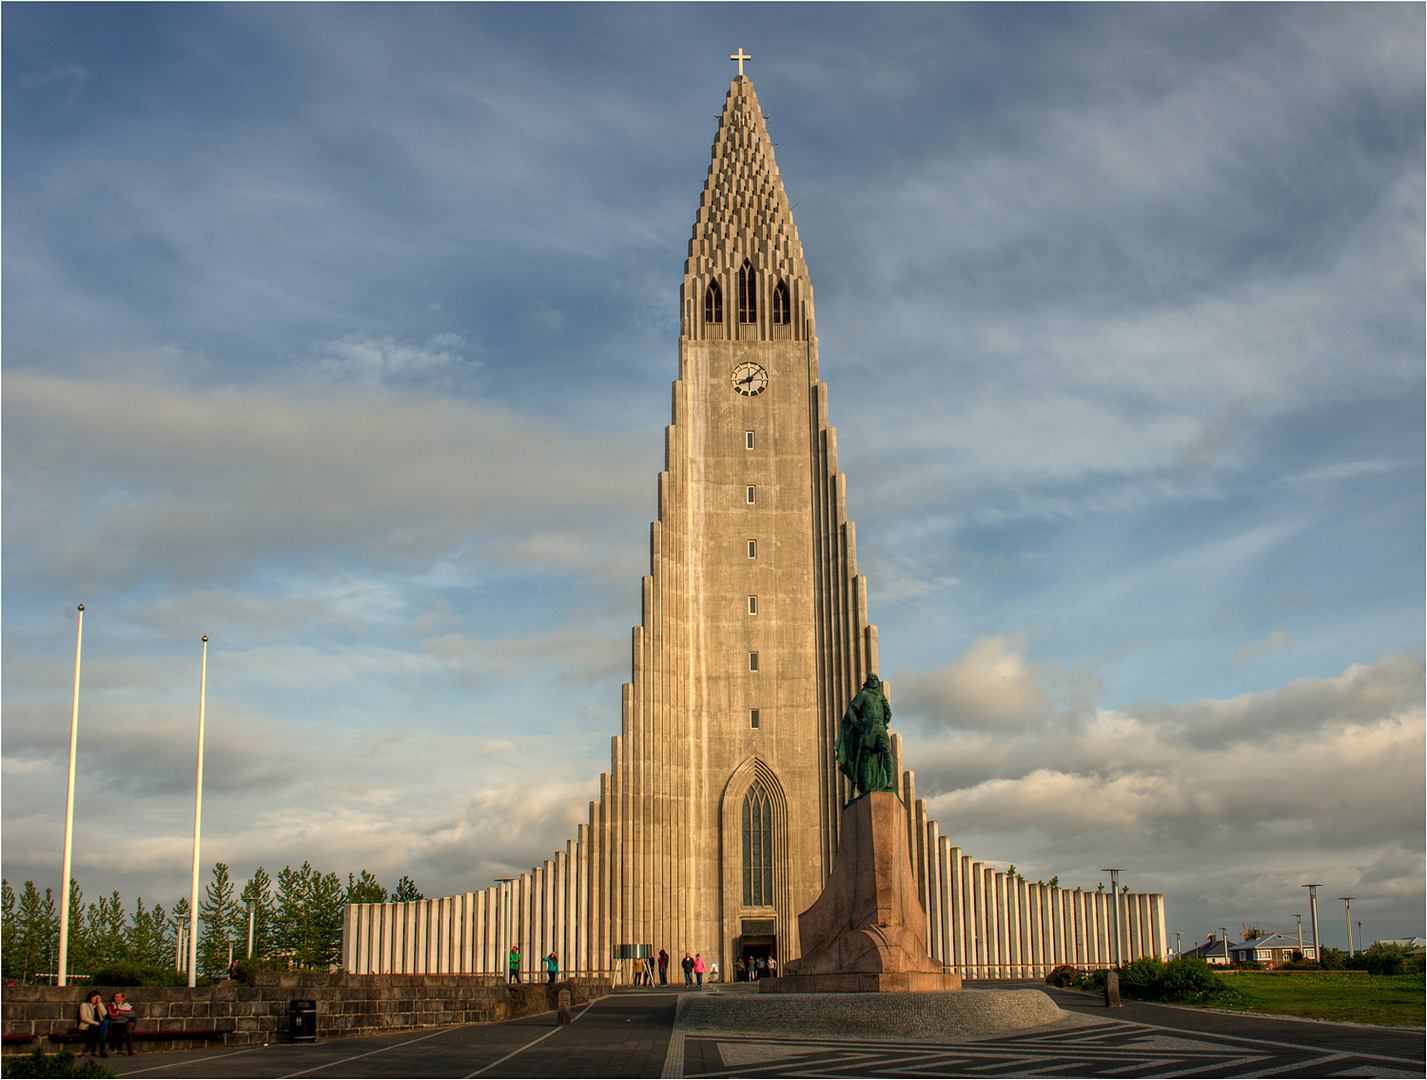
77	1036
17	1040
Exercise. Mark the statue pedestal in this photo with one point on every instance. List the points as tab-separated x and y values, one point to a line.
866	931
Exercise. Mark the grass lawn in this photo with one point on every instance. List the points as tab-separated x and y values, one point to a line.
1363	999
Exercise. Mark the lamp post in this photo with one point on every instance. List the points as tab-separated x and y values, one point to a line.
1225	931
1178	951
62	960
1114	872
197	822
1313	907
1348	914
252	922
1299	916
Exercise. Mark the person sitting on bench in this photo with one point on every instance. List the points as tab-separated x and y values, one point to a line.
122	1021
94	1021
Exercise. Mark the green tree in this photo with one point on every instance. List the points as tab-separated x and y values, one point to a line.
106	930
148	940
259	888
406	891
81	953
36	941
218	914
365	889
9	933
308	923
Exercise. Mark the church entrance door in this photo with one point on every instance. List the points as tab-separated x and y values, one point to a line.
753	947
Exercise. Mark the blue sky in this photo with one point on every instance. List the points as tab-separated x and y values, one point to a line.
344	334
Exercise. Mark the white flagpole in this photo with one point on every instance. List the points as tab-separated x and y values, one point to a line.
197	823
62	966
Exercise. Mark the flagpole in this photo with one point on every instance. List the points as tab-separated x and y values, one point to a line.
62	965
197	823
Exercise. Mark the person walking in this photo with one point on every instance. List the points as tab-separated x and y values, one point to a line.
514	964
687	963
552	969
663	968
699	968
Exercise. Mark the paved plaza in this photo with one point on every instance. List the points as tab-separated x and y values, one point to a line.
633	1034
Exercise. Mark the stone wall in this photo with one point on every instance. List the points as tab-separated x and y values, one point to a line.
346	1005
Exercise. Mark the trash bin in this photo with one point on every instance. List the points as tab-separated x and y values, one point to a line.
302	1020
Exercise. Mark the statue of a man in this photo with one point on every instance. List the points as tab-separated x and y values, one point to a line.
864	749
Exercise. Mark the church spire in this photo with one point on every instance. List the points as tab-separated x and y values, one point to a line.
744	217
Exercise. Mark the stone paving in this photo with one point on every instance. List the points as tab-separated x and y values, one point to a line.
634	1034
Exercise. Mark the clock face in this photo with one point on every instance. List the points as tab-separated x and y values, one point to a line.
749	379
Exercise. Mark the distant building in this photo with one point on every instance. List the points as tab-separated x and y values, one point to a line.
1272	949
1411	944
1212	951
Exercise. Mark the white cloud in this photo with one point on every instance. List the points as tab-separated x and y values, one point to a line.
439	364
1277	641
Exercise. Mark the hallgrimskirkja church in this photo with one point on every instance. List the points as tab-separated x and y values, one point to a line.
716	824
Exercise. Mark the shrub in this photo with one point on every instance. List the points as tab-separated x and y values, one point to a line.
62	1064
1383	959
1145	969
129	973
1190	979
1064	975
1249	965
1094	981
1300	964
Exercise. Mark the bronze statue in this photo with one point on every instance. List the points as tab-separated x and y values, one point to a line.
864	749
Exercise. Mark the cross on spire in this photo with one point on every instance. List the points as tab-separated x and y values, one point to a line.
740	56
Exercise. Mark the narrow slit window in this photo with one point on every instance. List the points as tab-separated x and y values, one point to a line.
753	661
753	605
748	440
753	549
753	718
713	303
747	293
750	494
781	306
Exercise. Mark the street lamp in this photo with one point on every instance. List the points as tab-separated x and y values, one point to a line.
1225	931
1114	872
1313	907
61	967
1348	914
1299	916
252	922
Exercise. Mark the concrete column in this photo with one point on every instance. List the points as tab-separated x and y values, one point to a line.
956	922
1003	927
582	897
992	923
1013	927
978	896
1037	937
968	923
919	862
1077	927
1057	926
935	886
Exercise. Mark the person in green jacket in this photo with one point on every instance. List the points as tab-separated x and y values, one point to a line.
514	964
552	968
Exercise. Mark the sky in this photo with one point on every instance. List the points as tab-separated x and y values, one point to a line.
344	335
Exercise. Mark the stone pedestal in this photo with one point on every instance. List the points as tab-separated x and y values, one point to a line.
865	932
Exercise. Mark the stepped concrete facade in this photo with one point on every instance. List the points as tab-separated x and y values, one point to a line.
717	822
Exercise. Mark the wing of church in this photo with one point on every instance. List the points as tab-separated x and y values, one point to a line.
716	824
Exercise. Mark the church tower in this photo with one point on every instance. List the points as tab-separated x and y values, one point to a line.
724	789
717	822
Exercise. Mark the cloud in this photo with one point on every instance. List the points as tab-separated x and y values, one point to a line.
1321	774
991	685
438	364
141	480
1277	641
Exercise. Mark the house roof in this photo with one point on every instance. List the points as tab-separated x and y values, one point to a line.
1277	940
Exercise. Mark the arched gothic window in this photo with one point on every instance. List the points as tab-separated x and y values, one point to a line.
747	294
757	847
713	303
782	309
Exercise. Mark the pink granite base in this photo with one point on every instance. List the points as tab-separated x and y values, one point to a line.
894	982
